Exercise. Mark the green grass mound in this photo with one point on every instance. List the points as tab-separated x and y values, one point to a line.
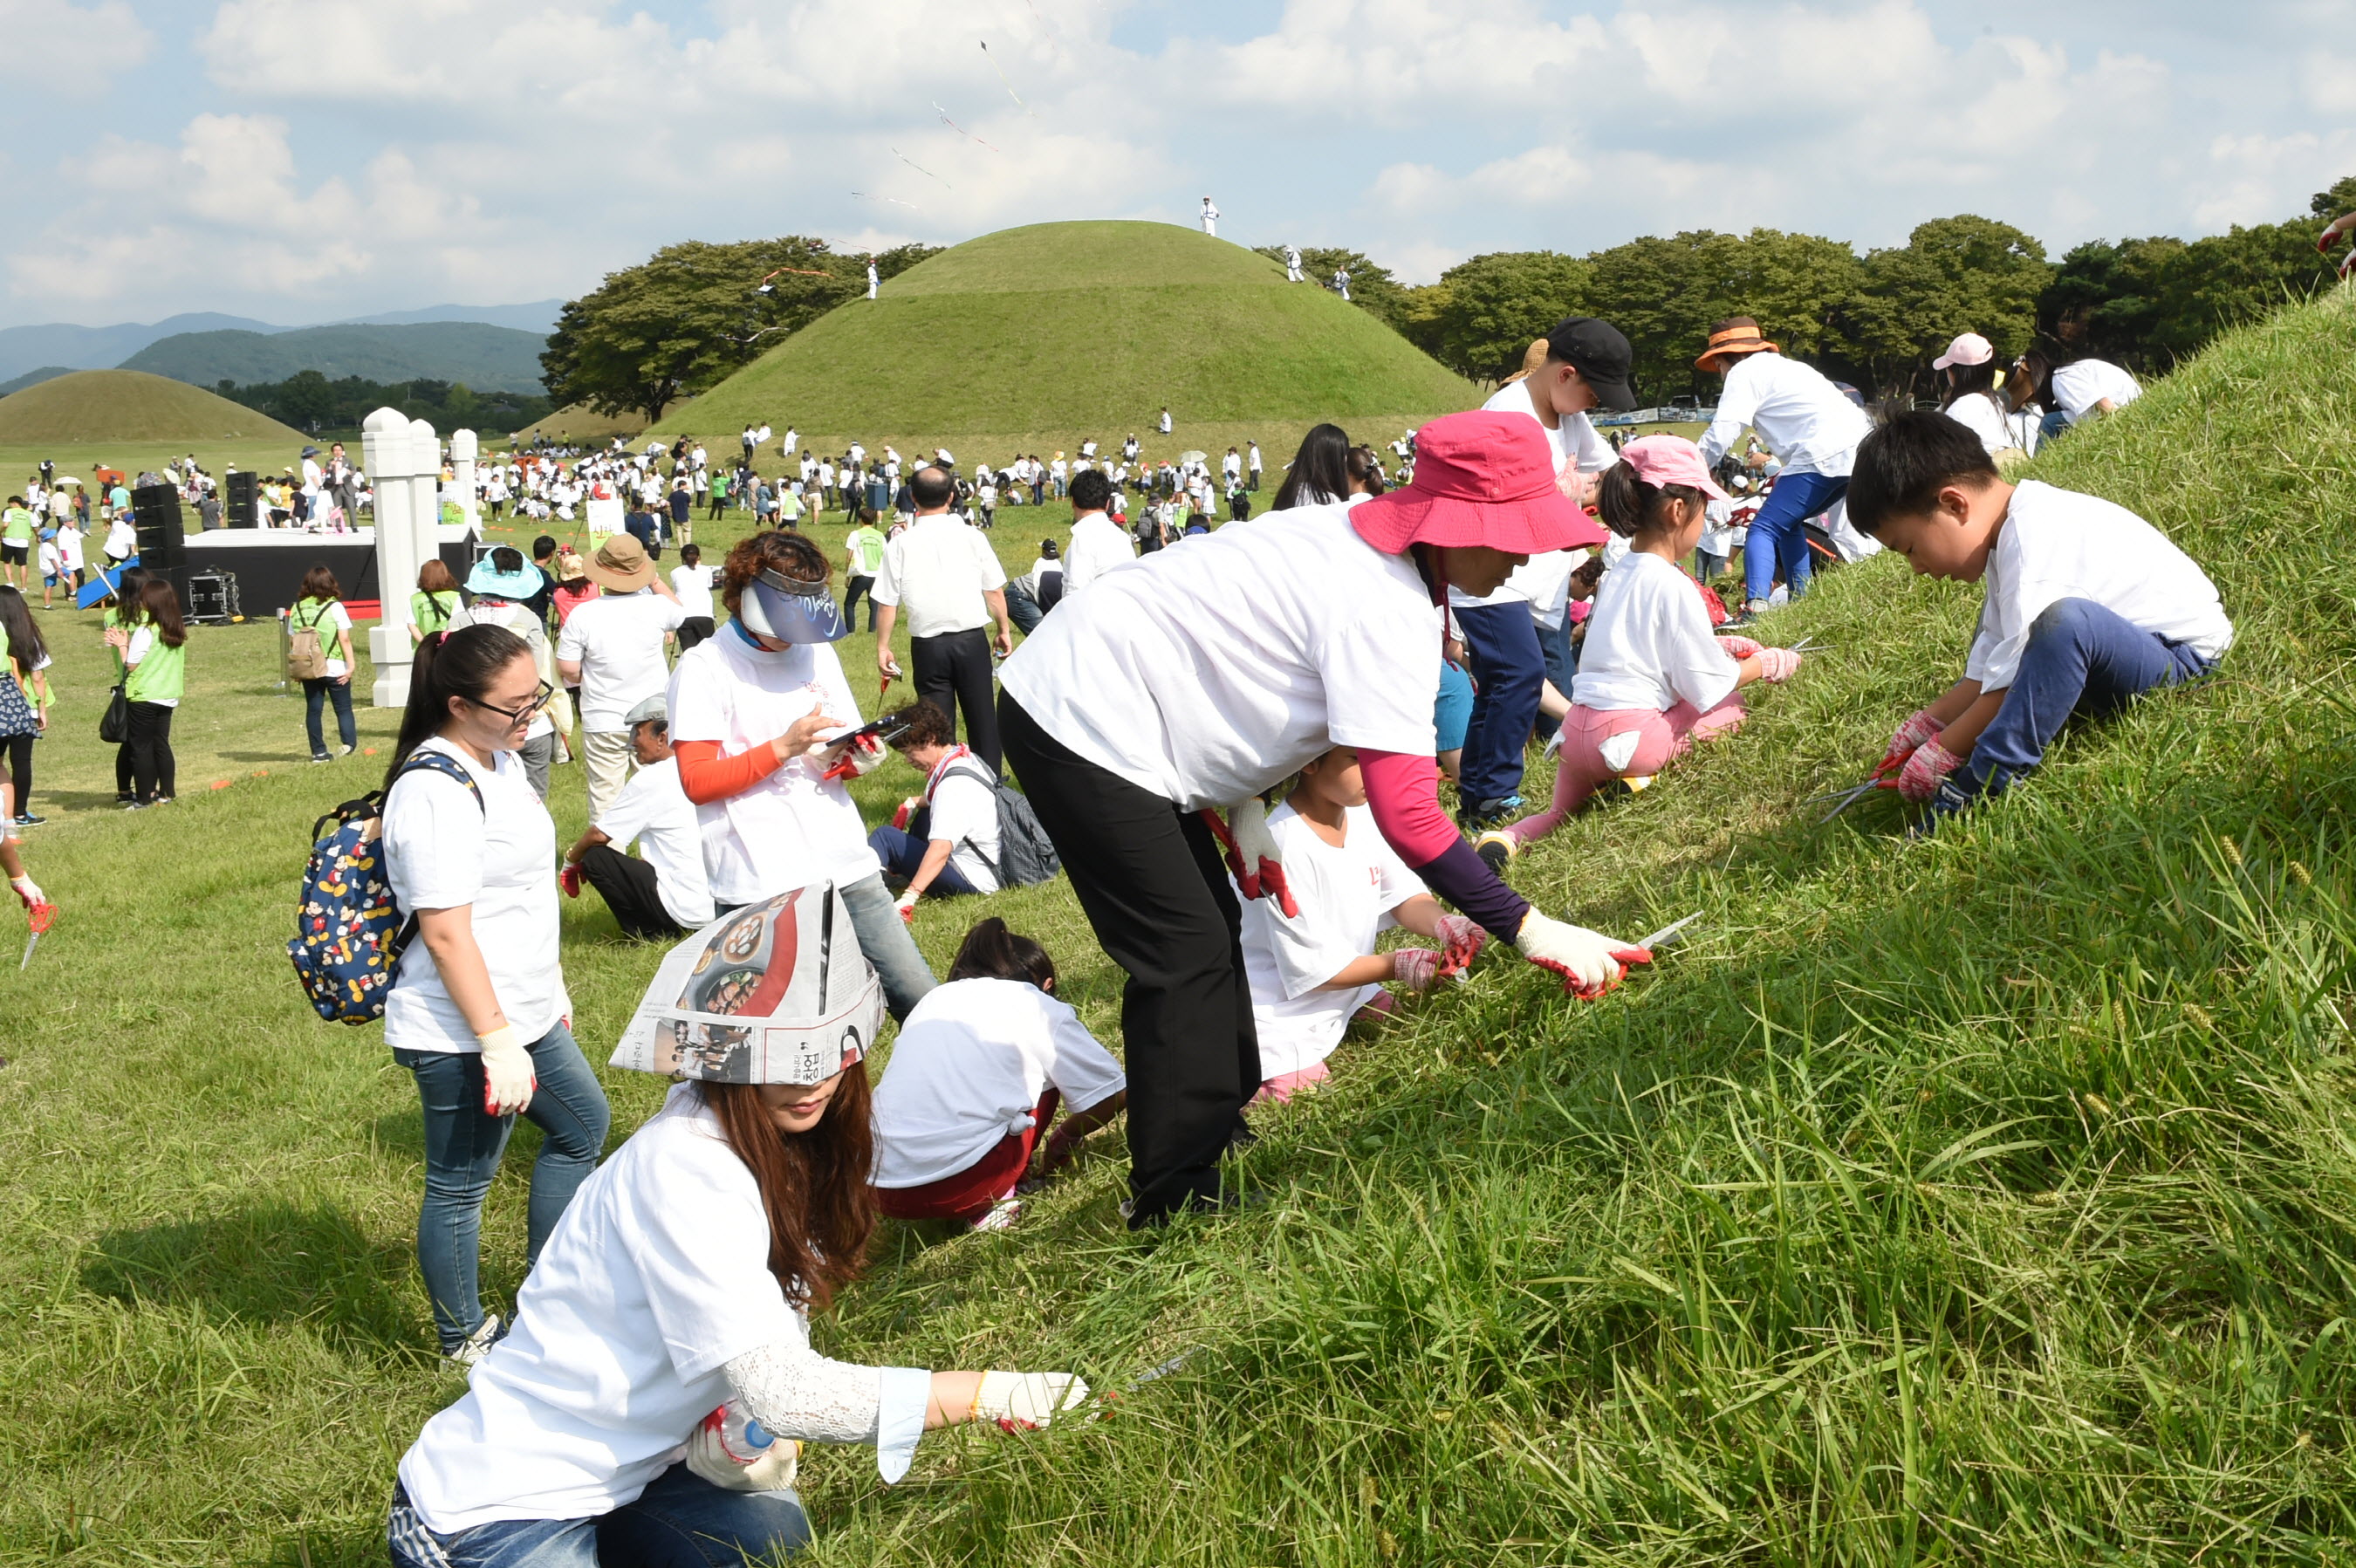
1084	328
129	405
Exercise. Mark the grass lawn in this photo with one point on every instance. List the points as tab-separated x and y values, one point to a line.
1979	1200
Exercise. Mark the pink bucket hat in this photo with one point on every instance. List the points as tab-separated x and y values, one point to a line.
1971	348
1480	478
1671	460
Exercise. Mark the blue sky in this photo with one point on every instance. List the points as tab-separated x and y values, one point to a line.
302	160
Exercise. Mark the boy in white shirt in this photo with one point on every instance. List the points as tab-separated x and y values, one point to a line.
664	894
2088	606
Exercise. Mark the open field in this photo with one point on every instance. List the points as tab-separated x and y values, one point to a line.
1982	1199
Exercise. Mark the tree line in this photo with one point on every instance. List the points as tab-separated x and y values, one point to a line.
309	402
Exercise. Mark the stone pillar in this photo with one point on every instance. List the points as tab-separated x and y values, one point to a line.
385	453
463	451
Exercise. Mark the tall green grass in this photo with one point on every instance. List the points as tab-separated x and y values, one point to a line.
1985	1198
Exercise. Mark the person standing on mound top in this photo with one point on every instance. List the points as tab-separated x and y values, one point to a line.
1807	422
1146	716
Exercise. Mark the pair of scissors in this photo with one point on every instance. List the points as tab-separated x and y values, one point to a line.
1844	798
1669	933
42	916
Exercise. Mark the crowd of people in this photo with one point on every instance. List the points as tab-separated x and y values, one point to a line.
1232	738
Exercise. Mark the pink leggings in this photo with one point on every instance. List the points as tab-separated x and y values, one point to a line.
1661	736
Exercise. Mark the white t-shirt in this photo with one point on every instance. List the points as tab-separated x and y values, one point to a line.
140	643
1206	674
653	809
2078	387
1345	893
1977	412
1099	544
619	640
327	622
1649	643
969	1066
1796	410
965	812
794	827
655	1277
2061	545
442	852
940	568
693	586
1543	581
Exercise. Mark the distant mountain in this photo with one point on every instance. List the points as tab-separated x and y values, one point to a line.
488	359
539	315
98	347
35	378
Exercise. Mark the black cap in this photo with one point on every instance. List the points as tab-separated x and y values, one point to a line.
1598	351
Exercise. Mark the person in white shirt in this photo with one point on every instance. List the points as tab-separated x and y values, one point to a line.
945	841
2087	606
612	648
1210	218
975	1076
1292	263
1145	716
1311	972
2072	392
1099	544
874	279
1968	371
690	581
949	579
1057	472
664	894
1252	461
1341	283
478	1011
1652	680
1164	424
748	710
651	1405
1047	574
1806	422
314	511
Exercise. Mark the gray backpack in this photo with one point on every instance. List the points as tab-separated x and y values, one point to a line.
1026	856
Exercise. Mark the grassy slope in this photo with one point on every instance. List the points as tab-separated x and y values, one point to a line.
1977	1199
119	407
1087	327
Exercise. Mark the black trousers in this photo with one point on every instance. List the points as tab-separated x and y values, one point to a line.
630	889
148	743
953	672
1152	882
692	630
852	590
20	768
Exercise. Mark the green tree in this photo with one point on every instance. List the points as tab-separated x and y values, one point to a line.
1665	294
1496	303
1964	273
2105	300
2237	276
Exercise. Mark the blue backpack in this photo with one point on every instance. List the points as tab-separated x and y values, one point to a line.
348	932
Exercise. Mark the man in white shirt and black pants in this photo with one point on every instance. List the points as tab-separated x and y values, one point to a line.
1098	543
663	896
950	578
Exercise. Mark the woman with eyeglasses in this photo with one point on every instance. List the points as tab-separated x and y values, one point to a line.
478	1011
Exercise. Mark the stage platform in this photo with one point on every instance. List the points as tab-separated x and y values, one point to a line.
270	562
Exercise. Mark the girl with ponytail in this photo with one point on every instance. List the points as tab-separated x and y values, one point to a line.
478	1011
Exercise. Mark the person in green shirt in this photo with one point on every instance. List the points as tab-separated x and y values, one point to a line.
321	609
16	541
436	601
153	642
861	564
719	495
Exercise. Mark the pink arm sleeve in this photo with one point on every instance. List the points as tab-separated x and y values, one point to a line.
1404	792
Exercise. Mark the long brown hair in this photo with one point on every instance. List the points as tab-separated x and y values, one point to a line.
814	1184
159	606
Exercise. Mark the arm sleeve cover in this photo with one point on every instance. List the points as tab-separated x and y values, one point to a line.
796	1393
1406	803
707	776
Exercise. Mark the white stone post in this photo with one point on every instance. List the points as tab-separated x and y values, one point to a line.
385	453
463	451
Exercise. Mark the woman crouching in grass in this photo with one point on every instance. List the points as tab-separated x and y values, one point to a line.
649	1405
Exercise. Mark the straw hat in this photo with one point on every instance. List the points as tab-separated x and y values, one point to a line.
620	565
1741	336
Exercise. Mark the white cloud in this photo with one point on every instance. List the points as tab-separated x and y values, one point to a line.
60	48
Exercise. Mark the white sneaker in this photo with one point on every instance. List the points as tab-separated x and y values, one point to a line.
1001	1216
478	1344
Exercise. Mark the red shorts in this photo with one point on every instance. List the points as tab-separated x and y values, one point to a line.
966	1195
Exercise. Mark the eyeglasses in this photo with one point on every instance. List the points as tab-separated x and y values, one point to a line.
539	700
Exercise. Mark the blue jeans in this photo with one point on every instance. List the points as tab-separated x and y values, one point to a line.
2052	425
2081	658
316	694
1778	536
1501	642
1554	647
681	1520
902	852
462	1145
885	938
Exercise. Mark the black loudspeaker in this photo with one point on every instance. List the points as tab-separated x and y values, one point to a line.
163	536
244	496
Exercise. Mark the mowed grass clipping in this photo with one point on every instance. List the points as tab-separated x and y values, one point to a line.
1981	1200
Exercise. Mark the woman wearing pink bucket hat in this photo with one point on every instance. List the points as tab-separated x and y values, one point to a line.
1145	719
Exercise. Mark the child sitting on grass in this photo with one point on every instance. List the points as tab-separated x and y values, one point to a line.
1310	973
1652	678
2087	604
975	1077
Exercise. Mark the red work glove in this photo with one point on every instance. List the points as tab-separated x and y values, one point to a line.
1777	665
1739	646
569	878
1252	852
860	757
1919	780
907	809
1918	728
1416	968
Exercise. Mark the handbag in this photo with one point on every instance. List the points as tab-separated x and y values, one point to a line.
16	715
114	724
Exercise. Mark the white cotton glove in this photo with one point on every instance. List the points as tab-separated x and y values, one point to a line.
906	905
508	1078
1590	962
1777	665
1026	1401
732	1450
28	892
1251	852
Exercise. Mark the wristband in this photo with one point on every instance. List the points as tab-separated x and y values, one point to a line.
504	1034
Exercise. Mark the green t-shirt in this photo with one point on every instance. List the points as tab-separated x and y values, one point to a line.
868	543
161	675
19	524
431	612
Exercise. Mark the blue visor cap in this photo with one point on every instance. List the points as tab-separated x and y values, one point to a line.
791	610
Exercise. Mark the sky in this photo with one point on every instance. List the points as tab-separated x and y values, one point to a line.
304	160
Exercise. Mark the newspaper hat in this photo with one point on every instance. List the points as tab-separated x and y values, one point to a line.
777	992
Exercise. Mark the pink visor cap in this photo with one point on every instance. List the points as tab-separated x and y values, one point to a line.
1671	460
1480	478
1971	348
